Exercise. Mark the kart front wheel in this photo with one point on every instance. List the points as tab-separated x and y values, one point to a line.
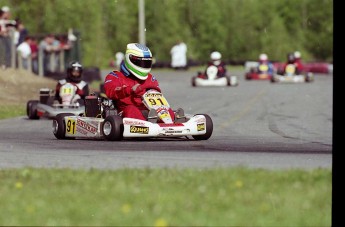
59	125
112	128
209	129
31	109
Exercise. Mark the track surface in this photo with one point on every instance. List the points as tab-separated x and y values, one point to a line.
256	124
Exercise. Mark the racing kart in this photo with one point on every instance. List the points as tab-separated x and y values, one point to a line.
47	108
256	71
290	76
103	121
210	78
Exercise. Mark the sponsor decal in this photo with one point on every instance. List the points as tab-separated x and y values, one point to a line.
175	131
201	127
153	95
139	129
131	122
86	126
170	125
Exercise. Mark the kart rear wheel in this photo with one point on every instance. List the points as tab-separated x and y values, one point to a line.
193	81
31	109
59	126
209	129
112	128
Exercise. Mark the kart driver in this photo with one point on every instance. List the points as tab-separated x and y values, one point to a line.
74	77
264	63
298	61
291	60
126	86
216	60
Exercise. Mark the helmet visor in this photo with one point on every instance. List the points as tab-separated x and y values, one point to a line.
141	61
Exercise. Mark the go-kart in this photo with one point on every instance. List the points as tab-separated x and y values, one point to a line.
47	108
103	121
290	76
210	78
256	71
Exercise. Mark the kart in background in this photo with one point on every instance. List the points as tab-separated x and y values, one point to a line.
290	76
255	71
46	107
103	121
210	79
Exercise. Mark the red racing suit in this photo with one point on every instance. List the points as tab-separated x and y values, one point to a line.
118	87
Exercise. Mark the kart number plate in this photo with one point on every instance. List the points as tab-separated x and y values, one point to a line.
155	100
70	126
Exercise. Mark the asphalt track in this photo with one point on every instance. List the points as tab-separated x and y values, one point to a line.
256	124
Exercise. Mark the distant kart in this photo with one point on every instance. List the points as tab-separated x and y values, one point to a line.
290	76
210	79
255	71
102	121
46	108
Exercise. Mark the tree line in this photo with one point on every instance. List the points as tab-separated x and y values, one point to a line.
239	29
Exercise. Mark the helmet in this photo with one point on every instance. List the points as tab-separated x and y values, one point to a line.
263	57
297	54
291	57
138	60
216	57
74	71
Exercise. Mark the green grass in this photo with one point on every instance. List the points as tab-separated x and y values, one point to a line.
165	197
9	111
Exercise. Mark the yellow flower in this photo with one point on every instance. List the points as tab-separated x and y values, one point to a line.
161	222
19	185
126	208
239	184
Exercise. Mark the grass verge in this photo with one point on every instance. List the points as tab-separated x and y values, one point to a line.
165	197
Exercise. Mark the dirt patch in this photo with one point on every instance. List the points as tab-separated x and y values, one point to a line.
19	86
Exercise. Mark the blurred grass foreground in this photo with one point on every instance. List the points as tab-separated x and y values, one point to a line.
165	197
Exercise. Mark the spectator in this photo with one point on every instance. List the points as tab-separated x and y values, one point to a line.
34	55
66	46
24	51
20	33
179	56
119	58
5	39
49	47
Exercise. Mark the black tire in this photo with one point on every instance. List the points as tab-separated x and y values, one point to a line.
193	81
31	109
228	81
209	129
59	126
112	128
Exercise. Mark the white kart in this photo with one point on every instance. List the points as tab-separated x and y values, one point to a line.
102	121
45	106
211	79
290	76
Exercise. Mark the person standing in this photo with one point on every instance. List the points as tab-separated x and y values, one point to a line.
179	56
24	51
5	38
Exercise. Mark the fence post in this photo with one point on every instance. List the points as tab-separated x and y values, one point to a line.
40	62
